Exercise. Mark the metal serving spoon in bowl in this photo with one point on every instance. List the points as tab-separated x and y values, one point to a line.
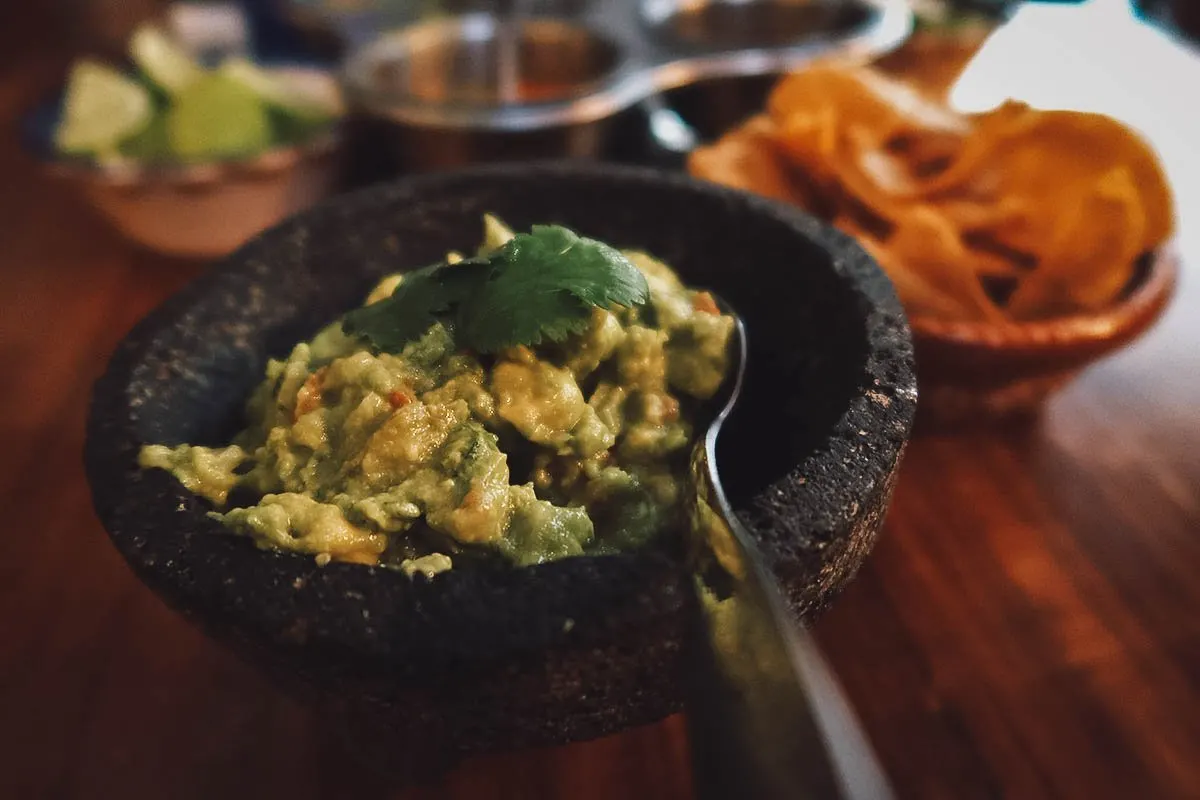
766	717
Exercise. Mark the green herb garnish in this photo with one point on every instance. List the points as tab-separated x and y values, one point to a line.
539	286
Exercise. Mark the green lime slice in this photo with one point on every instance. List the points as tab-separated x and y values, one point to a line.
279	91
163	60
151	144
215	117
102	107
289	128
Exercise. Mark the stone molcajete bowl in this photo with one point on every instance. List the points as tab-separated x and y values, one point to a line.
420	672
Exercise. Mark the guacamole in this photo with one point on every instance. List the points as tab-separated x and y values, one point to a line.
434	456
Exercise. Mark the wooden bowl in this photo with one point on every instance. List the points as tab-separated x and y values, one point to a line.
932	60
973	372
419	672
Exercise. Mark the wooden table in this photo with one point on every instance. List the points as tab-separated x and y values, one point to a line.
1027	626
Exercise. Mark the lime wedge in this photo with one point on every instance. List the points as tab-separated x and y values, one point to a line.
279	91
289	128
215	117
162	59
150	144
102	107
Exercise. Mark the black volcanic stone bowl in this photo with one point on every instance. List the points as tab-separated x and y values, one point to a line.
426	671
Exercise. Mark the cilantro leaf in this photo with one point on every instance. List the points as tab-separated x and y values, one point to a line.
414	306
537	286
543	285
592	271
486	327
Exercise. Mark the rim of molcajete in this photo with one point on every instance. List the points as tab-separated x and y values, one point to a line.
489	659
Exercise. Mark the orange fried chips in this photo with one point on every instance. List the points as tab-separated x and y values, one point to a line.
1016	213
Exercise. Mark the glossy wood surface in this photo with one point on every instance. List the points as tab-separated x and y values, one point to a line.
1028	626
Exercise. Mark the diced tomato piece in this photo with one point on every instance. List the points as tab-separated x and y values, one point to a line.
705	304
308	396
400	398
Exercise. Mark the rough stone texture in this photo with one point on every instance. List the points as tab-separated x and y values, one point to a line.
483	660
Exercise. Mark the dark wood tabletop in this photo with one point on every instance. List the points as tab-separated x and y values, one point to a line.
1027	627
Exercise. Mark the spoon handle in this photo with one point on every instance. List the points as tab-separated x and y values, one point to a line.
766	717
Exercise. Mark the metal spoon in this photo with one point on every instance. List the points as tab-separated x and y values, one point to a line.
766	717
667	129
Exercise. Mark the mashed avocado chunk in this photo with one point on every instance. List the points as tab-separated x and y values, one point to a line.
429	455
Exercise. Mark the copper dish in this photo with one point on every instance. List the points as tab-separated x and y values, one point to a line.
932	60
200	210
207	210
971	372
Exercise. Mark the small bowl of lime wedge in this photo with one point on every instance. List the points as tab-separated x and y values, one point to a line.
192	159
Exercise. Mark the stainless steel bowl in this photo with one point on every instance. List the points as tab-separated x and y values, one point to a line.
431	91
731	52
454	63
437	85
740	24
714	105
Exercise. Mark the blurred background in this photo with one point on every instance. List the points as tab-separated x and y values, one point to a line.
420	85
1026	626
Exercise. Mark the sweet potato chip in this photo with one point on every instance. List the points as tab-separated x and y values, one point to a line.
747	159
1050	159
810	142
986	264
863	98
919	295
1092	256
925	241
874	177
963	174
927	153
1015	213
984	217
